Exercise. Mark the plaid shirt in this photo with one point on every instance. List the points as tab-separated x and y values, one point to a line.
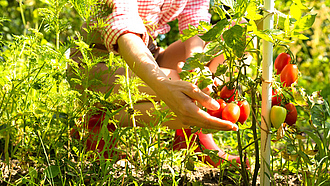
150	16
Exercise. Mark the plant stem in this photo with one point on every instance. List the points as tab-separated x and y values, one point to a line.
254	127
22	14
131	115
243	171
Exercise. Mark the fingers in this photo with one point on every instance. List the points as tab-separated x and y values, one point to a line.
216	123
197	117
196	94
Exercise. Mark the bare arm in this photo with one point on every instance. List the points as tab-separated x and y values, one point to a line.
178	95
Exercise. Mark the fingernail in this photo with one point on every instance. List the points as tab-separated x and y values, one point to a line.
215	104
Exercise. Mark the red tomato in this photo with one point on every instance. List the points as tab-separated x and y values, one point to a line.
228	94
281	61
218	113
231	112
276	99
244	111
289	74
291	117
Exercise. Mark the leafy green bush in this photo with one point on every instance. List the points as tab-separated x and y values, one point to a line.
39	109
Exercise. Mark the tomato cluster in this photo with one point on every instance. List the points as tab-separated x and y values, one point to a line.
279	115
288	75
229	110
288	72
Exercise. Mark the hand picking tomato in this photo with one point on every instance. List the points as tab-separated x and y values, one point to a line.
244	111
281	61
289	74
291	117
277	116
228	94
218	113
231	112
276	99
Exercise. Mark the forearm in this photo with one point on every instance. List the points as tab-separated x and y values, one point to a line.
140	60
179	96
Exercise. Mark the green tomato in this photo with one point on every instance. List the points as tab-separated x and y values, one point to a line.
277	116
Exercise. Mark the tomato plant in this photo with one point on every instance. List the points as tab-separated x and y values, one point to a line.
281	61
231	112
244	111
228	94
291	117
277	116
289	74
218	113
276	98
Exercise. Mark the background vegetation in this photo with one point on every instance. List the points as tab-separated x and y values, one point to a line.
38	109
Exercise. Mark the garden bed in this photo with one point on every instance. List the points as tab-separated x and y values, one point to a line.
201	176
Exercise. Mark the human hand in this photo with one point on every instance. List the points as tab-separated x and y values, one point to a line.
181	98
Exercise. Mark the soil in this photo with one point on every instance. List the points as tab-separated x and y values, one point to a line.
200	176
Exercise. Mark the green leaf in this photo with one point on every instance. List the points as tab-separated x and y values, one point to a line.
219	11
212	153
240	8
299	36
264	35
215	32
193	31
214	48
190	165
221	69
188	33
304	23
197	61
184	75
304	157
252	11
235	38
317	114
295	11
326	104
300	5
52	171
203	82
229	3
287	25
33	173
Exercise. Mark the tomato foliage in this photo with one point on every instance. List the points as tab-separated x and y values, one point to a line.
236	36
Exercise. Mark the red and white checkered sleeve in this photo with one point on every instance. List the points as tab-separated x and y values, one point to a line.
194	12
123	19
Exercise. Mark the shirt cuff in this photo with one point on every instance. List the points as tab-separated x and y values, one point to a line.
119	24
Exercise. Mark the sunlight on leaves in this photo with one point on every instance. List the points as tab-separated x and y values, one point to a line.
235	38
295	11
